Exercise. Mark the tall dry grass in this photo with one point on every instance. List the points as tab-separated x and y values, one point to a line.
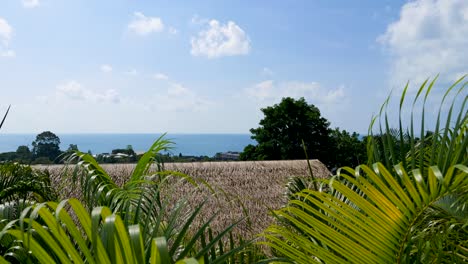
246	189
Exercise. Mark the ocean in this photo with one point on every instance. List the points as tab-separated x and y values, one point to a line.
187	144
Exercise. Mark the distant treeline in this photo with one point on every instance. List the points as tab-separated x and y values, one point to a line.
46	150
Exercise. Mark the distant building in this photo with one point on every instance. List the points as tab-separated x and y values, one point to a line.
120	155
230	155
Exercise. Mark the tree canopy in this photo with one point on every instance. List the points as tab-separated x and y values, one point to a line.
348	148
47	144
283	129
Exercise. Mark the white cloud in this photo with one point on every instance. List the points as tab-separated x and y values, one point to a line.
75	91
160	76
268	92
8	54
106	68
220	40
6	32
143	25
430	37
30	3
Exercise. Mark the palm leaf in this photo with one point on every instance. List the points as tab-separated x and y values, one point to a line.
148	199
381	229
445	147
50	235
4	117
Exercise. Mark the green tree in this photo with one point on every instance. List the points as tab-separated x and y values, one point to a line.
47	144
23	154
283	129
348	149
72	148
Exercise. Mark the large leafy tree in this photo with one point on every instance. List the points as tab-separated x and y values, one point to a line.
349	149
47	144
23	154
283	129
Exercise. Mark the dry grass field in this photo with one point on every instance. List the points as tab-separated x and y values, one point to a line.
243	189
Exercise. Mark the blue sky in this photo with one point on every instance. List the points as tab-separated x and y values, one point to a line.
209	66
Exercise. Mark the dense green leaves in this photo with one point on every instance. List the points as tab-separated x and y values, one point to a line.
289	124
284	127
386	226
349	149
22	182
47	145
49	234
443	145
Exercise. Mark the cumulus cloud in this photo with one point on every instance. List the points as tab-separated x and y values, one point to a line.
6	32
268	92
430	37
160	76
30	3
106	68
75	91
220	40
143	25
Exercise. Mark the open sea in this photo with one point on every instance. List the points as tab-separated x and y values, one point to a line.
187	144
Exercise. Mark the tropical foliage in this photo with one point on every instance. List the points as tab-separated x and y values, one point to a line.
348	150
47	146
138	222
406	206
292	124
284	129
444	146
371	218
21	186
66	233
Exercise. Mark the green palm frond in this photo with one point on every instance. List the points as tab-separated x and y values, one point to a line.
66	233
409	208
22	181
445	145
49	234
386	225
148	199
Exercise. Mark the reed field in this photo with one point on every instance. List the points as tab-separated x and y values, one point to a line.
237	190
